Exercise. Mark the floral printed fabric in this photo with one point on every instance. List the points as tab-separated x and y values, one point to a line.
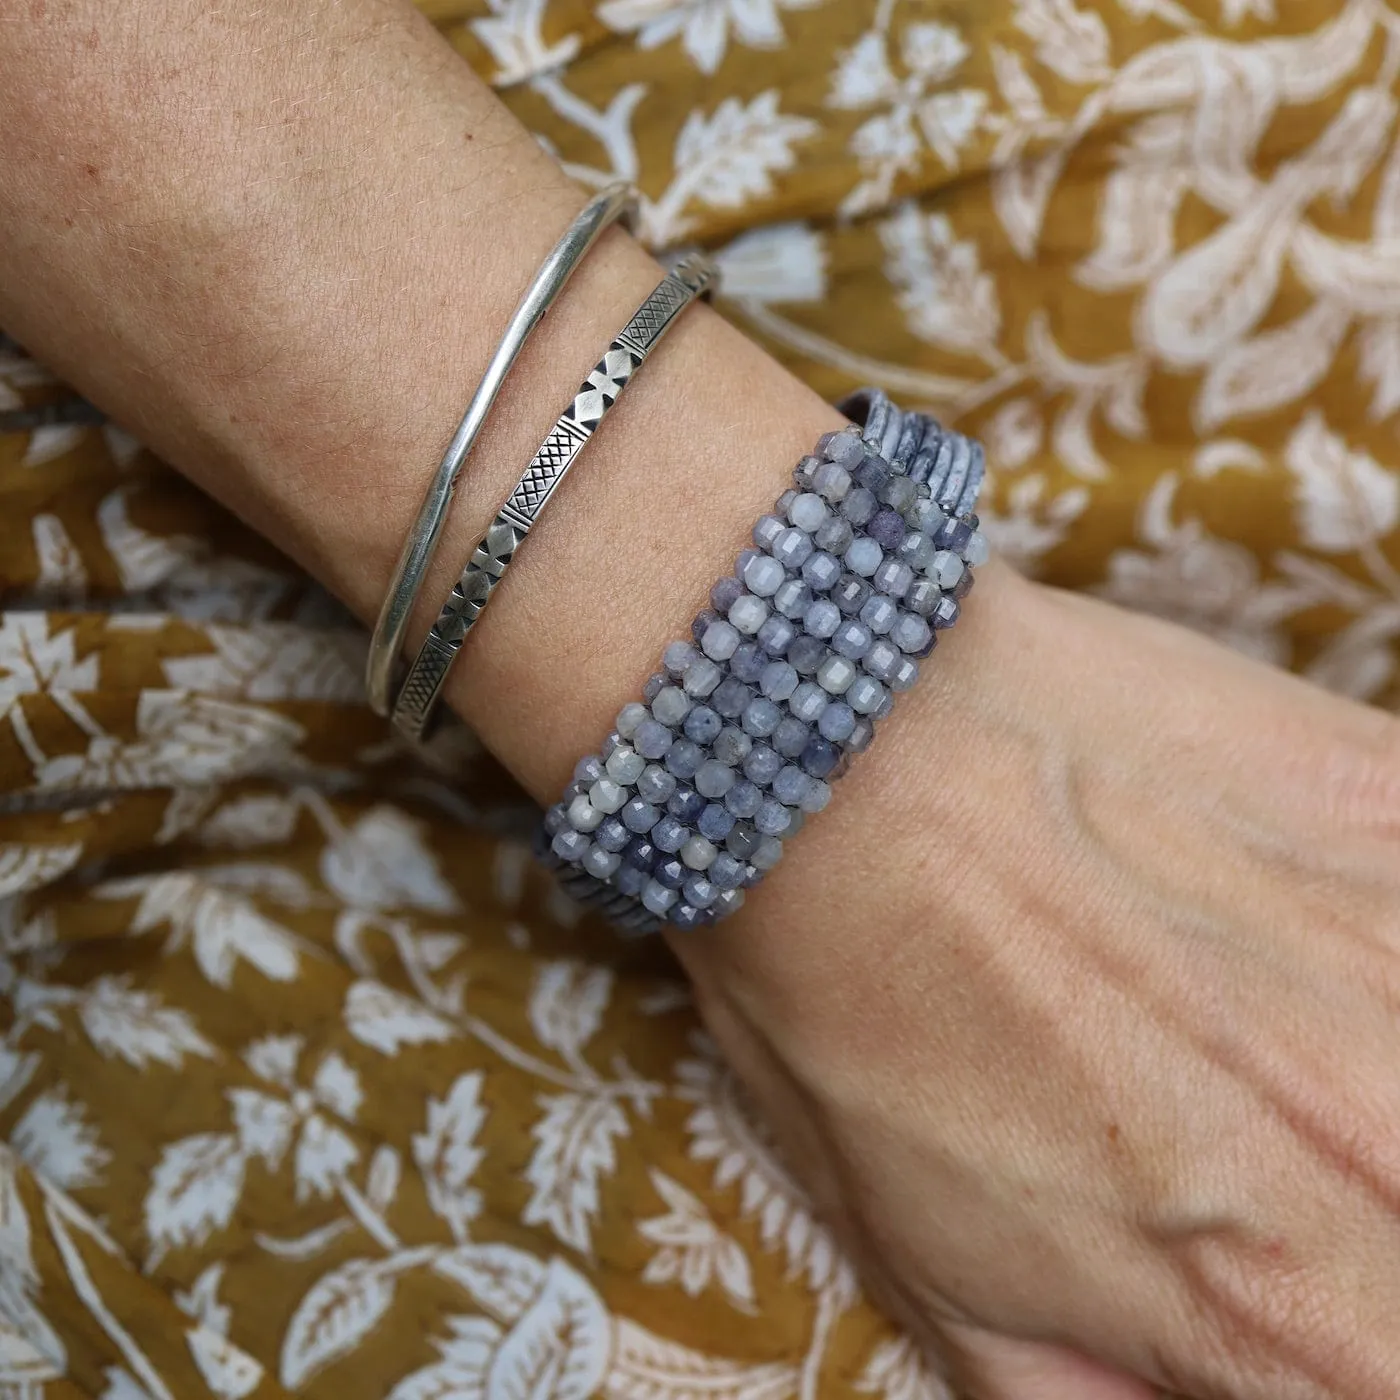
309	1083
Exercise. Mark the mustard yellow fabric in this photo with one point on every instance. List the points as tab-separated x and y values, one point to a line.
310	1084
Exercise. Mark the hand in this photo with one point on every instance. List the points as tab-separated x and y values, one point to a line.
1077	1012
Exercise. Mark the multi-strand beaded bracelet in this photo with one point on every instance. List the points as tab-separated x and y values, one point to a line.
738	737
741	732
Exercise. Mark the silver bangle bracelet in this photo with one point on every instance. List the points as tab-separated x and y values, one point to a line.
692	277
617	202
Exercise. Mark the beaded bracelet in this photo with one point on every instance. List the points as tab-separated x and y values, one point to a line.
799	656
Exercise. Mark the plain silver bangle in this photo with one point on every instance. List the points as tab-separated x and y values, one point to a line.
692	277
617	202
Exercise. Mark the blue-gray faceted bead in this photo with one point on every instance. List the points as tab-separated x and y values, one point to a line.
773	819
790	786
899	493
671	873
879	614
807	511
670	834
702	620
713	778
785	500
625	765
817	797
887	528
683	758
686	804
835	674
852	639
716	822
836	722
613	834
731	697
767	854
630	881
723	594
806	654
861	735
865	695
608	796
556	819
945	568
727	871
929	516
775	636
822	618
640	816
744	798
748	663
822	571
779	680
864	556
764	575
698	852
808	701
702	677
831	482
843	446
657	897
883	658
743	841
792	597
851	594
748	614
702	724
922	597
570	845
792	549
629	717
893	578
977	551
600	863
729	902
700	891
656	683
953	534
805	471
588	769
767	530
732	746
652	739
917	551
872	474
762	763
686	917
905	673
911	633
859	506
642	854
820	757
678	657
790	737
671	706
761	717
719	640
964	585
834	535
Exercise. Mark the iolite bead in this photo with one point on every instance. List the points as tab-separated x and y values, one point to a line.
831	482
713	779
804	473
748	662
820	757
898	493
653	739
872	474
922	597
700	891
768	852
822	618
671	706
727	871
834	535
669	834
964	585
731	697
630	716
656	784
702	724
785	500
588	769
772	819
865	695
685	804
556	819
608	796
640	816
600	863
893	578
910	633
817	797
790	786
763	575
761	764
670	873
716	822
656	683
767	530
678	657
821	571
790	737
761	717
625	765
882	659
836	722
703	620
807	511
851	594
584	816
945	568
657	897
683	758
723	594
686	917
745	797
859	506
887	529
852	639
806	654
719	640
570	845
792	549
698	852
702	677
612	835
917	550
929	516
743	840
977	551
953	534
629	880
775	636
792	598
808	700
861	735
748	614
879	614
844	447
732	746
778	681
906	671
864	556
834	675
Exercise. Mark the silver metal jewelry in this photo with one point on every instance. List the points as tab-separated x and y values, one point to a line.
692	277
616	203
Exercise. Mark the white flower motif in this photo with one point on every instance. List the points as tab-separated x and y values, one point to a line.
267	1126
694	1251
57	1143
701	25
917	109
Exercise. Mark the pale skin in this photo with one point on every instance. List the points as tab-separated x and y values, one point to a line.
1077	1011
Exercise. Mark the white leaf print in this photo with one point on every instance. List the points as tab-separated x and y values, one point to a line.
946	297
949	120
336	1085
134	1026
694	1251
29	1347
1345	499
62	577
896	1371
1029	523
567	1005
194	1190
702	25
1070	42
559	1347
447	1154
386	1020
24	867
23	1367
256	819
862	77
229	1373
33	661
274	661
16	1071
382	1181
574	1147
1014	434
306	1246
1379	346
383	862
1020	194
1364	276
647	1367
262	877
339	1310
221	928
502	1279
52	440
461	1374
1274	368
511	33
324	1154
56	1143
778	263
726	160
1018	91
